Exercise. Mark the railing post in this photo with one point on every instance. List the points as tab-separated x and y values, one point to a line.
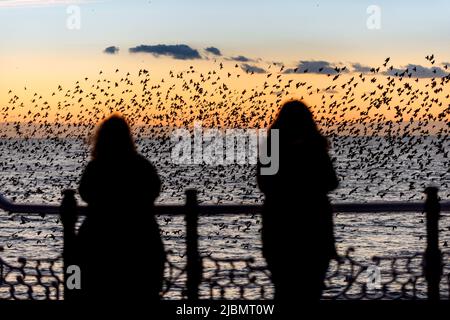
68	214
433	258
194	264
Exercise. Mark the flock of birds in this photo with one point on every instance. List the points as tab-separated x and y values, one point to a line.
389	133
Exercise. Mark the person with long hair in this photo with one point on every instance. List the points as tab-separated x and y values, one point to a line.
297	232
119	246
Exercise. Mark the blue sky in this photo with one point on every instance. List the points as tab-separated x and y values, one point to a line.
284	30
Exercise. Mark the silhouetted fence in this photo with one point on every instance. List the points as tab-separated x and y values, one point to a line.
42	279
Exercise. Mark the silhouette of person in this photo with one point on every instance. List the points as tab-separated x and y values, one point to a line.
119	247
297	232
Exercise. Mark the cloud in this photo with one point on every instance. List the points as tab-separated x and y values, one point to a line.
111	50
178	51
417	71
214	51
241	59
319	67
357	67
255	69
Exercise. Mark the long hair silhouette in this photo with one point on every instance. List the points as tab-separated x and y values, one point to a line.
296	122
297	216
120	228
113	139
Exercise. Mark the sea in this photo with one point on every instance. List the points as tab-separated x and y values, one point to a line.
370	168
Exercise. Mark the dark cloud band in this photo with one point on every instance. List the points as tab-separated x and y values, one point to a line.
252	69
417	71
111	50
319	67
214	51
178	51
240	59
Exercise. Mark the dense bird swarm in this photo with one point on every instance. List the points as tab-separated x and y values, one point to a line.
381	124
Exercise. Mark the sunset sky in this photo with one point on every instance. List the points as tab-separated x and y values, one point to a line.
39	51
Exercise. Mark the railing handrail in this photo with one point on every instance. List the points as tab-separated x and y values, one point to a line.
191	210
178	209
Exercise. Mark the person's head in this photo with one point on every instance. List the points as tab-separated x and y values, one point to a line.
296	123
113	139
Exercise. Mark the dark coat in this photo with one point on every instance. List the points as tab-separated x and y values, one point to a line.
297	233
119	245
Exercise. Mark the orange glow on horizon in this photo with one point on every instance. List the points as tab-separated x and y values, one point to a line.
173	93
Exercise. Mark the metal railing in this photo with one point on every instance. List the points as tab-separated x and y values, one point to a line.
432	257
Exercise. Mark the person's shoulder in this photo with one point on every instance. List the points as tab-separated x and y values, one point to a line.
145	167
140	159
92	164
143	161
91	170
